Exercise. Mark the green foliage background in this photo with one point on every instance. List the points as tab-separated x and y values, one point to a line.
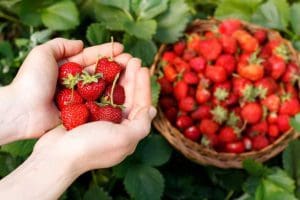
154	171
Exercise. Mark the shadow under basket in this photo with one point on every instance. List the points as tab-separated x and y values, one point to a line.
199	153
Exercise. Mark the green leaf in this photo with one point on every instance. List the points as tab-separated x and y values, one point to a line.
121	169
251	184
155	90
143	182
295	122
7	163
141	29
122	4
143	49
281	179
20	148
273	14
146	9
40	36
254	168
296	44
237	9
172	23
113	18
30	13
295	17
6	50
291	163
97	34
96	193
154	150
61	16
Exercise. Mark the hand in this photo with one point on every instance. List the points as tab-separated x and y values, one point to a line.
34	86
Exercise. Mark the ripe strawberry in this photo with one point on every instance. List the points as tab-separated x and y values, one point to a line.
267	83
252	113
247	42
167	102
190	78
180	90
202	95
118	94
277	66
106	113
169	72
74	115
228	134
208	127
68	71
108	68
273	131
193	42
290	91
216	74
210	48
171	115
179	47
168	56
201	112
283	123
192	91
192	133
272	118
290	107
198	63
187	104
181	65
228	62
247	143
210	140
189	54
229	44
184	121
260	128
166	86
259	142
272	102
291	74
90	87
250	71
229	26
260	35
235	147
231	100
67	97
239	84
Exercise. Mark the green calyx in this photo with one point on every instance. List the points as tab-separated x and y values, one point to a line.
221	94
71	81
219	114
250	93
86	78
254	59
283	51
233	119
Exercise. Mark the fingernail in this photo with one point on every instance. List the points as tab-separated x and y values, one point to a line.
152	112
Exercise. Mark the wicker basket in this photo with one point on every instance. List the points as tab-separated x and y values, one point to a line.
201	154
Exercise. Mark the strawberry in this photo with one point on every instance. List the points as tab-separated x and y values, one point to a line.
290	91
90	87
239	84
252	113
179	47
192	133
106	113
201	112
171	114
247	143
202	95
250	68
184	121
228	62
260	35
220	94
181	65
235	147
168	56
231	100
267	83
192	91
210	140
67	97
187	104
273	131
180	90
260	128
167	102
108	68
247	42
277	66
228	134
216	74
208	127
229	44
210	48
197	64
220	114
290	107
291	74
272	118
283	123
259	142
169	72
68	73
188	54
166	86
193	42
190	78
74	115
229	26
118	94
272	102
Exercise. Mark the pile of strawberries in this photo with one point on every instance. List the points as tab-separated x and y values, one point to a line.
231	89
83	97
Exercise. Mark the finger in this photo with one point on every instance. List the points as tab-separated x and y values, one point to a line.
90	55
61	48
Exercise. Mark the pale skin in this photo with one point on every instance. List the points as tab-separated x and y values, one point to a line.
60	156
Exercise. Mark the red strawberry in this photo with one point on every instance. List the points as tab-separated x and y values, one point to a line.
202	95
90	87
216	74
118	94
291	90
210	48
171	114
210	140
192	91
192	133
247	143
283	123
179	47
239	84
252	113
187	104
272	102
260	35
267	83
229	26
180	90
193	42
229	44
108	68
67	97
259	142
190	78
166	86
260	128
227	61
272	118
184	121
277	66
188	54
208	127
247	42
291	75
74	115
290	107
166	102
231	100
198	64
273	131
170	73
201	112
168	56
250	71
68	71
108	113
93	108
181	65
235	147
227	135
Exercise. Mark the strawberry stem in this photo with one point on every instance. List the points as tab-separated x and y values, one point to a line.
112	48
113	89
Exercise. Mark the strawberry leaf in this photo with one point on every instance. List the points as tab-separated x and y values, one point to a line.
155	90
122	4
145	9
97	34
20	148
143	29
295	122
295	17
171	23
96	193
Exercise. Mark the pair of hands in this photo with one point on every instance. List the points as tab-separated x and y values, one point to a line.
90	146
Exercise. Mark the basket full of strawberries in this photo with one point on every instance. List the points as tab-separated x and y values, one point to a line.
228	90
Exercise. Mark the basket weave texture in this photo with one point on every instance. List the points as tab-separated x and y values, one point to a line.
199	153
